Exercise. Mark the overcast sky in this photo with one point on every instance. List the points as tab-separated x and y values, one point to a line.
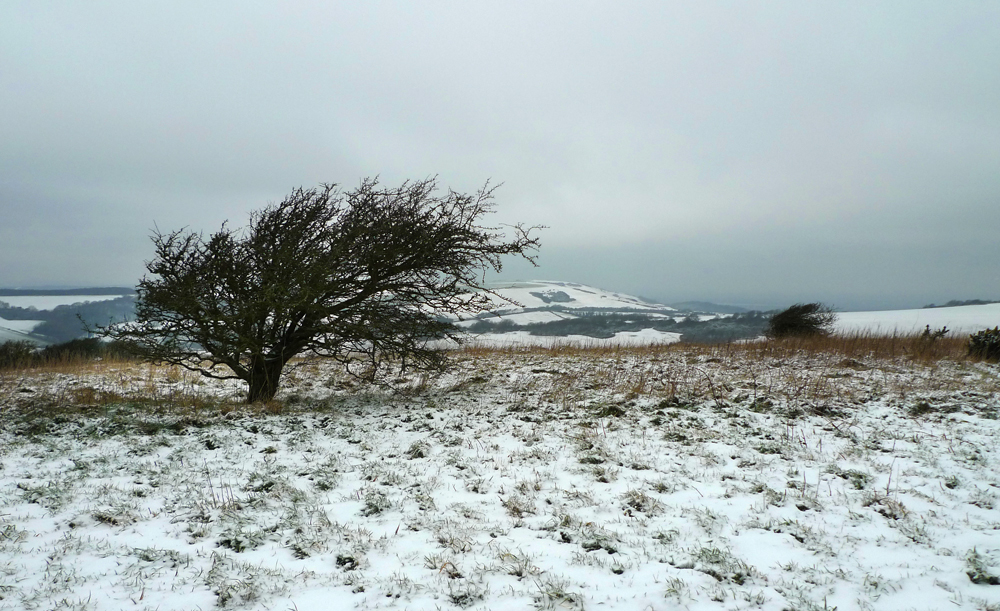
756	153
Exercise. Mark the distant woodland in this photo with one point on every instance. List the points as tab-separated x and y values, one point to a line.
67	322
742	325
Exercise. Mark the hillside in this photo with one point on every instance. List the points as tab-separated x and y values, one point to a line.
551	311
575	313
570	296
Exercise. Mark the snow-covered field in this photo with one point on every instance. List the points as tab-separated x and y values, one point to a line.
8	335
20	326
655	479
16	330
960	319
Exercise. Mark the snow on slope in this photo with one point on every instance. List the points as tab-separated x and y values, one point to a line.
7	335
568	295
541	301
520	318
17	330
960	319
10	335
21	326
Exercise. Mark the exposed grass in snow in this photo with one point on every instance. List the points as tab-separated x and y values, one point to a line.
773	476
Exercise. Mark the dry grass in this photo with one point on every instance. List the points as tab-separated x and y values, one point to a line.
855	345
80	385
787	375
73	365
623	467
789	372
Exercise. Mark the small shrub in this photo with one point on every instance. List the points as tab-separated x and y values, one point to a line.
241	540
985	344
858	479
22	353
347	563
75	349
418	449
802	320
16	354
518	506
932	336
641	502
375	503
977	571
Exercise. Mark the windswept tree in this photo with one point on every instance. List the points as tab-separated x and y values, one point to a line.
802	320
366	273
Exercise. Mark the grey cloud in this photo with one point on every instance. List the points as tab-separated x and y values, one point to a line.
700	133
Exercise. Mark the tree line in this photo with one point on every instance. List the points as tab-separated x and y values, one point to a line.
67	322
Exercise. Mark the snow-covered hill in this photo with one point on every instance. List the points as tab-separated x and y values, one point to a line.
554	295
549	301
540	301
565	312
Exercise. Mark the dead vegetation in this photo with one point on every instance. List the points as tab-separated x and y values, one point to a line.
797	373
533	477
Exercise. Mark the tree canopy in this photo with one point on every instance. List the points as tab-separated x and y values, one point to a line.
365	273
802	320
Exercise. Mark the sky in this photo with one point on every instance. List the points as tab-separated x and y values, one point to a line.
750	153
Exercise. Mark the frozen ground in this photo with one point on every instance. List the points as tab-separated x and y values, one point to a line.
656	479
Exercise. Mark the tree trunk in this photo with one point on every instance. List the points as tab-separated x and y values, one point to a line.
264	376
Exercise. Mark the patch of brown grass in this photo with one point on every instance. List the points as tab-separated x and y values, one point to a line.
75	365
853	346
863	345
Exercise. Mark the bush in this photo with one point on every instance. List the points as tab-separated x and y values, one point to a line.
802	320
14	354
84	349
19	354
985	344
486	326
930	337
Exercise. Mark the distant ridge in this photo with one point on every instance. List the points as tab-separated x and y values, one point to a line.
707	306
106	290
954	303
